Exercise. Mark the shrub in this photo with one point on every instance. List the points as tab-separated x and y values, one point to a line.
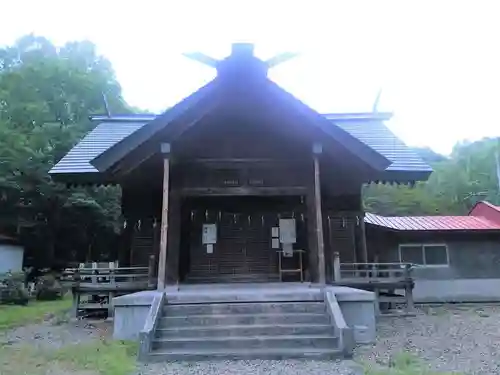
48	288
12	289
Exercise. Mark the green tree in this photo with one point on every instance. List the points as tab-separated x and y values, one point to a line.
457	183
46	96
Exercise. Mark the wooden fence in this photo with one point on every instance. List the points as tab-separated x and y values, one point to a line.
392	283
374	272
95	285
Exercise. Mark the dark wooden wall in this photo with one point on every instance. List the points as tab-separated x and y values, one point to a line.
244	237
342	215
231	156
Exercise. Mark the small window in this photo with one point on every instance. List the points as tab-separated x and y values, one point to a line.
436	255
412	254
423	254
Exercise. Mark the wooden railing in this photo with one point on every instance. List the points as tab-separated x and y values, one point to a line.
373	272
95	285
110	278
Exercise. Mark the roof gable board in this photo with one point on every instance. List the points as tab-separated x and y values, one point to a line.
216	88
119	150
344	139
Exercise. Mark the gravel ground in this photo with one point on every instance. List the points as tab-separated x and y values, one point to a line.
254	367
461	338
53	336
458	338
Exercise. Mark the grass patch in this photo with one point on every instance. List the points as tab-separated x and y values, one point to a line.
101	357
106	357
21	360
404	364
12	316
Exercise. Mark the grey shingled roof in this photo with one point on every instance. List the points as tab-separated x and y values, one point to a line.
378	136
104	135
370	130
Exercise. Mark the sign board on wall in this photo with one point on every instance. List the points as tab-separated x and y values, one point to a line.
275	232
209	234
287	231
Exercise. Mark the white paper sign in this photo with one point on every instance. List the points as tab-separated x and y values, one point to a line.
210	248
209	234
275	232
275	243
287	231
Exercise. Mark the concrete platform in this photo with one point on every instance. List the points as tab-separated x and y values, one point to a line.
357	306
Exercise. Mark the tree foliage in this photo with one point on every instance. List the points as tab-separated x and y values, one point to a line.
46	96
469	175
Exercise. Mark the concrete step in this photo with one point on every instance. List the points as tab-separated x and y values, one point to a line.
246	295
244	308
246	330
245	354
256	277
242	342
243	319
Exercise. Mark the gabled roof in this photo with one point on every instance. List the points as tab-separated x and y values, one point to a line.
193	107
486	210
369	128
363	136
432	223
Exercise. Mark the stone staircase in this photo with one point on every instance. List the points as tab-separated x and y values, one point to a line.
244	330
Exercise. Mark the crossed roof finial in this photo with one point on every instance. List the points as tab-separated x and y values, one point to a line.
241	53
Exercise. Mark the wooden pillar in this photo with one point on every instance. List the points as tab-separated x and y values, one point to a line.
336	266
312	262
162	257
317	150
364	248
173	243
410	304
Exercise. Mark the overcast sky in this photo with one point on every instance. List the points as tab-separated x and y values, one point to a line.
437	62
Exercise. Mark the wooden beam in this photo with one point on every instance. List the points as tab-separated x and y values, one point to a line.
319	216
162	257
241	191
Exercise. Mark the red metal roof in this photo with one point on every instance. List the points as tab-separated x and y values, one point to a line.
486	210
436	223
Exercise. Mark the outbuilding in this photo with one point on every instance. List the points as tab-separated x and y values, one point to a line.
457	258
11	254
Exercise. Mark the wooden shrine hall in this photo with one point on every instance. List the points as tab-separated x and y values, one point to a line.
241	181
